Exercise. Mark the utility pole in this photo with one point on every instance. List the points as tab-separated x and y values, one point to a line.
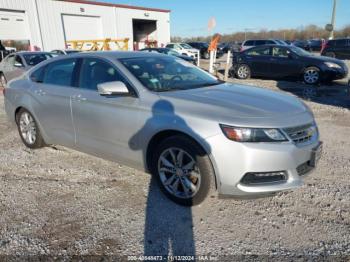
331	35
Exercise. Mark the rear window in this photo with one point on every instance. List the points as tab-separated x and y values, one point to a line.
34	59
249	43
260	51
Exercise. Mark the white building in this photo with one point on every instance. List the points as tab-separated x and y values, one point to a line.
48	24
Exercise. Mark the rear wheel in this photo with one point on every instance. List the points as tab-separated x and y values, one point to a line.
183	170
29	130
243	72
311	75
206	55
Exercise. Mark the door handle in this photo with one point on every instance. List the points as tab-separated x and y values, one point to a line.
78	98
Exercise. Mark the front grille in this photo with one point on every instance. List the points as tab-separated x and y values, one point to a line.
301	134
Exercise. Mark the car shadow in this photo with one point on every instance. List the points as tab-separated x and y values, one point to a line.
334	94
168	226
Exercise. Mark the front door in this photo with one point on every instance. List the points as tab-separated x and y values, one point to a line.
104	125
284	64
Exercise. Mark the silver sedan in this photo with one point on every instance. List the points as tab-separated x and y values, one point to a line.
15	64
161	114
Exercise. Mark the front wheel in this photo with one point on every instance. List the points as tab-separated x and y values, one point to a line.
330	54
183	170
206	55
243	72
312	75
29	130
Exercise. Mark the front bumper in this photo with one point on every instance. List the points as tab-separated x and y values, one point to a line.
232	161
334	73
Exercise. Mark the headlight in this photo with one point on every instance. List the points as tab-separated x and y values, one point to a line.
332	65
243	134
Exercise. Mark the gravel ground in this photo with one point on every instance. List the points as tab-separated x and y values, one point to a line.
59	202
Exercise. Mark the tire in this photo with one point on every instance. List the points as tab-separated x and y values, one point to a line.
3	81
28	130
206	55
330	54
243	72
312	75
200	175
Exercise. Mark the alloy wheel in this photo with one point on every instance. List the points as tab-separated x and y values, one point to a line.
311	76
27	128
243	72
179	173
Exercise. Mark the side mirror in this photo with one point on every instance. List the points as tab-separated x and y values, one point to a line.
112	88
17	64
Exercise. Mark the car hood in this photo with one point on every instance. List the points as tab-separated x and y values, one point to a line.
229	102
326	59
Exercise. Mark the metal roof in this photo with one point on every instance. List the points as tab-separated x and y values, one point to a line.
117	5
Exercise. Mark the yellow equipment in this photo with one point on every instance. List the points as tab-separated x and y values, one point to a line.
99	45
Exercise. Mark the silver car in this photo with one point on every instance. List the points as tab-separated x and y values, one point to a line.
161	114
15	64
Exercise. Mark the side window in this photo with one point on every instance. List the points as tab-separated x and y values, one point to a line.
262	51
341	42
95	71
280	52
60	72
38	75
260	42
249	43
18	60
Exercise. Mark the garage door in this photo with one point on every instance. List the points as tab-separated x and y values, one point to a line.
78	27
13	26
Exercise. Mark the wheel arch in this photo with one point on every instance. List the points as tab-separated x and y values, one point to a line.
163	134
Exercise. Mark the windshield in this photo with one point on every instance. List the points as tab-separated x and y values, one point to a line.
169	73
34	59
299	51
186	46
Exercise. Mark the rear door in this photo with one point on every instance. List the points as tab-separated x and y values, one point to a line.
103	124
8	66
258	59
52	90
283	63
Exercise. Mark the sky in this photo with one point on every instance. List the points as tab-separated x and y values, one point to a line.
190	17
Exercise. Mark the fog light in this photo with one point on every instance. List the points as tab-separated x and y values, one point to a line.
264	177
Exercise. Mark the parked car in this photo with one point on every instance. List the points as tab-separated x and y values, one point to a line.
233	47
193	132
251	43
202	47
65	51
183	49
338	48
315	45
16	63
168	51
279	61
304	44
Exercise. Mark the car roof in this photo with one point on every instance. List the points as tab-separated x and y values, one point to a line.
30	52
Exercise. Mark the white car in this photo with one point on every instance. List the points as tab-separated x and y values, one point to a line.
183	49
